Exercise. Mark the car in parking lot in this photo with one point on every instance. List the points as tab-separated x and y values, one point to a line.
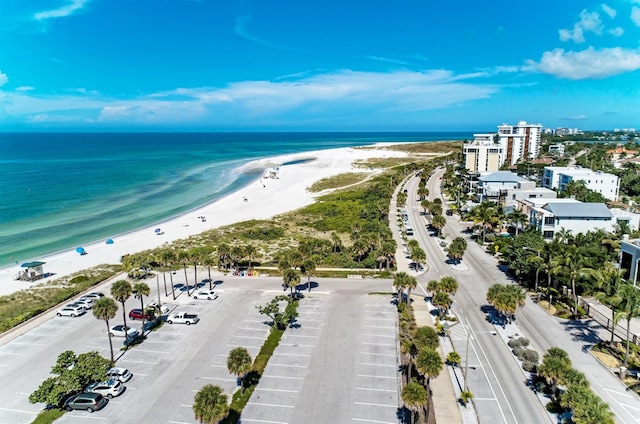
449	212
86	401
122	331
206	294
94	295
110	388
119	373
71	311
183	318
164	309
85	303
140	314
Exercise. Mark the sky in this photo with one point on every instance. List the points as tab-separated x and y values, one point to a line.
347	65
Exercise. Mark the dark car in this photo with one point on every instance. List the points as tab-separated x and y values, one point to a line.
86	401
449	212
139	314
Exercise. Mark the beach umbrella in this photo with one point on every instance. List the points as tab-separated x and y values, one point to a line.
158	230
80	250
109	241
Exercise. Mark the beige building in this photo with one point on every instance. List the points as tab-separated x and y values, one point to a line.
482	154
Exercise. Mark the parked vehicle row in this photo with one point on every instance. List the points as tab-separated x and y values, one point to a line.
96	396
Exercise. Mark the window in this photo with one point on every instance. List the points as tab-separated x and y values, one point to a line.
547	234
548	220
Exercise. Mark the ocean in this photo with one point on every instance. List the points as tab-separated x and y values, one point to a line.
62	190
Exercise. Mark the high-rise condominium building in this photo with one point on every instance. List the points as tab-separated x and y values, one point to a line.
520	141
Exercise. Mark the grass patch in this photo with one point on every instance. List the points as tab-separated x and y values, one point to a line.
240	399
607	359
383	163
338	181
23	305
47	416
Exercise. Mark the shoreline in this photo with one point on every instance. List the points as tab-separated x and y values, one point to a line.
274	196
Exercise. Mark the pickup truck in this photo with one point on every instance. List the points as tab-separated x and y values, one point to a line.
183	318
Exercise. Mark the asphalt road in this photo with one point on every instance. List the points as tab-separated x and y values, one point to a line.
544	331
499	387
177	360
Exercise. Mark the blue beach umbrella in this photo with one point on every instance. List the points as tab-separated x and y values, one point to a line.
80	250
109	241
158	230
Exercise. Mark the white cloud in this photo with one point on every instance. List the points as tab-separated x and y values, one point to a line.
3	79
589	22
609	10
62	11
616	32
325	97
576	118
587	64
385	59
635	15
25	88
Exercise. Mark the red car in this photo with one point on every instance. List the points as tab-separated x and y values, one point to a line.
139	314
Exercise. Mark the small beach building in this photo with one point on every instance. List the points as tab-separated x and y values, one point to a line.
32	271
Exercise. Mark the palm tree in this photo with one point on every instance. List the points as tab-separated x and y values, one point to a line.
572	262
554	367
183	257
169	258
389	250
429	363
410	348
250	250
414	396
121	291
448	285
290	279
336	242
438	222
442	301
627	300
426	337
518	219
209	261
308	268
418	256
105	309
608	281
139	291
210	405
224	254
195	254
484	214
239	363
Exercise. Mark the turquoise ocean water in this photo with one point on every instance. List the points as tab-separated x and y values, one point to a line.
62	190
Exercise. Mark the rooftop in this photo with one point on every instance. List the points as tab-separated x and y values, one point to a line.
579	209
501	176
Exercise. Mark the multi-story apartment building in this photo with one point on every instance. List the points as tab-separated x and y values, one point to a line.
483	154
557	177
520	141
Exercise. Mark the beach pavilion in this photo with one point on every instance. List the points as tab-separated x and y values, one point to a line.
33	271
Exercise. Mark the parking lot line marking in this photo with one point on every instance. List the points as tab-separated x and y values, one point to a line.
187	406
288	365
277	390
249	337
178	422
18	410
299	335
159	341
375	376
262	421
252	329
27	343
151	351
45	335
372	421
289	354
377	365
219	366
95	347
138	362
375	404
281	376
269	404
378	344
220	378
376	390
379	326
379	335
142	375
3	365
13	354
381	354
243	345
296	344
311	319
84	417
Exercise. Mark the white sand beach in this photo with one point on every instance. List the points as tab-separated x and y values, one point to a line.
265	198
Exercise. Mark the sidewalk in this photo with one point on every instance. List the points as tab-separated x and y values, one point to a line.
445	393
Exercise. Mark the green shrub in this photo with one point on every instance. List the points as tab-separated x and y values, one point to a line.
529	366
518	351
513	343
530	355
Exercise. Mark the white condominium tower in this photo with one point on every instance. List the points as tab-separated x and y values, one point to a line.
520	141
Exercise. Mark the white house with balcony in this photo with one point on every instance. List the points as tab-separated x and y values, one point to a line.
555	177
508	188
576	216
630	258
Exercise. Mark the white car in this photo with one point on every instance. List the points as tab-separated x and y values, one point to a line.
164	309
122	331
121	374
93	295
206	294
86	303
71	311
110	388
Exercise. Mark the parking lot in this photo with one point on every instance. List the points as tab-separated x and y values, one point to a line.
339	363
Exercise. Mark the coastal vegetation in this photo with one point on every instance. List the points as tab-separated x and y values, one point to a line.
23	305
339	181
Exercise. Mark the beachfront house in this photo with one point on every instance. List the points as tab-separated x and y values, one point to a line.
557	177
507	188
577	217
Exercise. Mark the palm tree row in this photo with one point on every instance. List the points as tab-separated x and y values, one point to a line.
441	291
505	299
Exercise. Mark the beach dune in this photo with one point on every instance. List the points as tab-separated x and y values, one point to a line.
262	199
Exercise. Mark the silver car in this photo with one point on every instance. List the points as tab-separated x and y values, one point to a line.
71	311
121	374
110	388
122	331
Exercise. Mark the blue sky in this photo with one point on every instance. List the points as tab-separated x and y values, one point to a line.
346	65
